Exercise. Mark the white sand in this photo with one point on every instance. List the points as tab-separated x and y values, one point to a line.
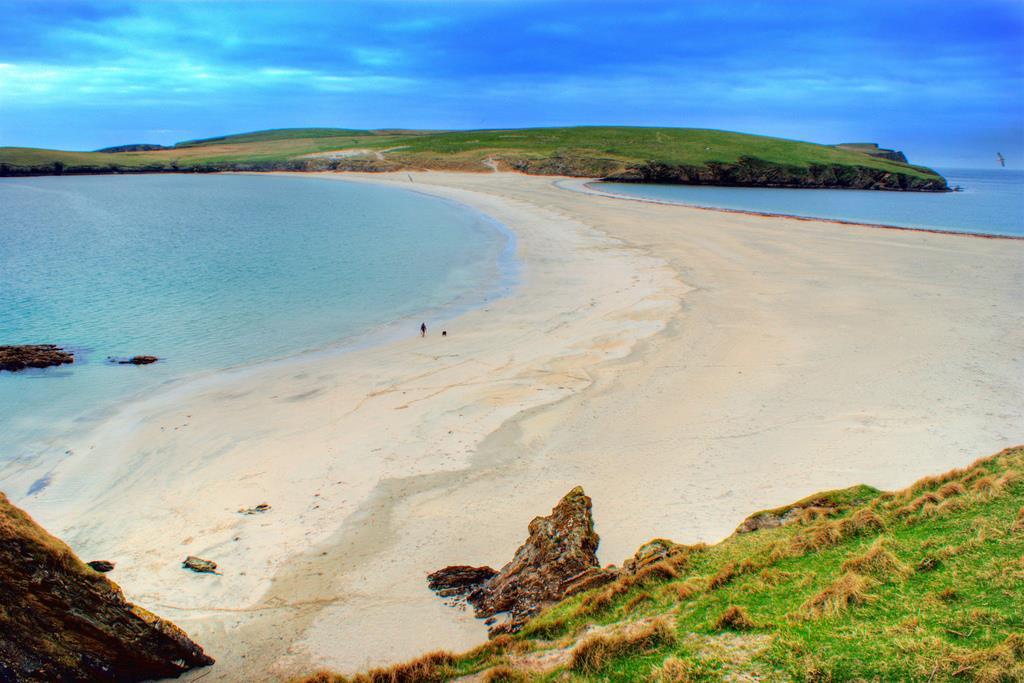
685	366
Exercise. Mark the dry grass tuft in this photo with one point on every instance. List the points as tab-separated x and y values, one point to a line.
673	670
1003	662
688	589
773	577
877	562
948	595
433	666
813	514
321	677
951	505
723	576
1019	524
637	600
735	618
659	571
500	644
594	603
953	488
594	653
505	674
986	487
828	534
848	590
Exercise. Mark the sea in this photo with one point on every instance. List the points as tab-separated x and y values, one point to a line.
990	201
210	272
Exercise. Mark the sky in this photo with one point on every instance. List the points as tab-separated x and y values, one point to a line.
941	80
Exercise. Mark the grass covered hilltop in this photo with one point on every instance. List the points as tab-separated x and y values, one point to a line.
668	155
923	584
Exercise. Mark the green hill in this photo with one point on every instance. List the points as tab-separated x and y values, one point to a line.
678	155
923	584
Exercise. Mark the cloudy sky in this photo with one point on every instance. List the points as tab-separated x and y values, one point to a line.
941	80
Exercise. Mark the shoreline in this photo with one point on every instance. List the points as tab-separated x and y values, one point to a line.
588	187
46	450
685	367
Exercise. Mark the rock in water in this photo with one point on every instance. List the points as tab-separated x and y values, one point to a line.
199	565
15	358
102	566
560	548
136	360
62	621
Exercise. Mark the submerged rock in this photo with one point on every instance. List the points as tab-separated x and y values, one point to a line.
15	358
199	565
102	566
560	549
62	621
134	360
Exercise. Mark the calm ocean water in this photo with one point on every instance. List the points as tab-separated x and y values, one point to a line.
211	272
992	201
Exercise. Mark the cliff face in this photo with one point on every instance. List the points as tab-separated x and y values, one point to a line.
62	621
747	172
755	173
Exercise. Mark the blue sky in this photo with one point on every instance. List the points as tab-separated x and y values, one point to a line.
943	81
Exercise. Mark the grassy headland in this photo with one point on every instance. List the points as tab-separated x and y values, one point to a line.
914	585
682	155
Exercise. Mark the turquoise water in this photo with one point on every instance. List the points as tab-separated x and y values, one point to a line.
992	202
212	272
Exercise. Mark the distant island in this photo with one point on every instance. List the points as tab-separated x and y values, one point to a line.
688	156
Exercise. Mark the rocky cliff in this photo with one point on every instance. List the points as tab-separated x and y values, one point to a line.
749	172
60	620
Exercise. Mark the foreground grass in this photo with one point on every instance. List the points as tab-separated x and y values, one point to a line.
924	584
586	151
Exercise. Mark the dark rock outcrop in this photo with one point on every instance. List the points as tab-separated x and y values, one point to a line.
750	172
560	549
199	565
62	621
15	358
259	509
458	581
102	566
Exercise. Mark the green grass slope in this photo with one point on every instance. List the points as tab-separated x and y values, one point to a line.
924	584
625	153
275	134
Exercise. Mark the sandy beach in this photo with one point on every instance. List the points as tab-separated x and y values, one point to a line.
686	367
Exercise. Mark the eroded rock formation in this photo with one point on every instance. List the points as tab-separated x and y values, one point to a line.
62	621
559	554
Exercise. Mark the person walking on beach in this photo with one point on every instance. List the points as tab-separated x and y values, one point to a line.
423	329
